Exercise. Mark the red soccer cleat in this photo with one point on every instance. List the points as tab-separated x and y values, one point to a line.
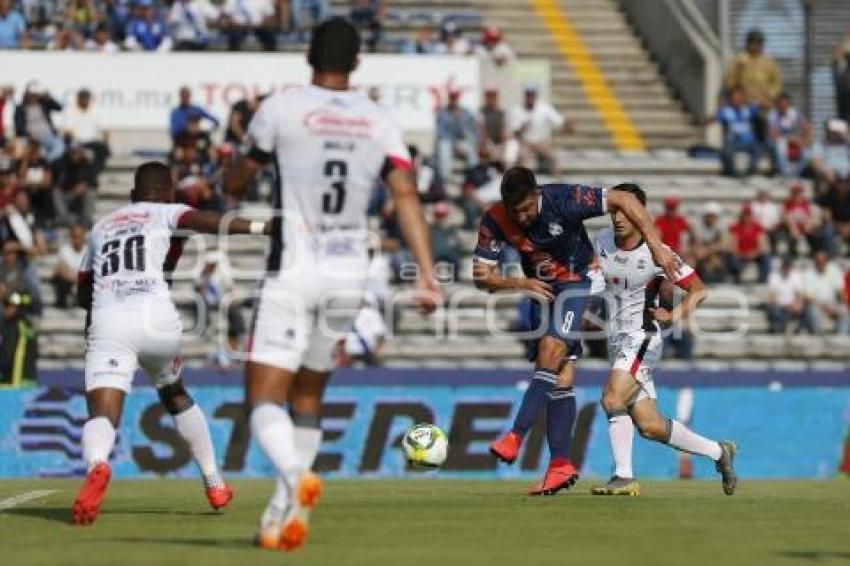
89	499
561	474
219	497
507	448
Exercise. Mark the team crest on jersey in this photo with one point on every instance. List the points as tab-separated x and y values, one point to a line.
555	229
496	245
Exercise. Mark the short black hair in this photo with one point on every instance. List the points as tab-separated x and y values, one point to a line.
150	182
755	35
517	184
334	46
633	188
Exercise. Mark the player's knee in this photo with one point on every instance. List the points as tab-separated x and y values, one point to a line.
175	398
655	430
613	405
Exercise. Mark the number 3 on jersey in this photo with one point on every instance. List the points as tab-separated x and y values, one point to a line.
334	200
134	255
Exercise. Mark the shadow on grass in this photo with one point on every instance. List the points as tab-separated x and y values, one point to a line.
63	514
815	555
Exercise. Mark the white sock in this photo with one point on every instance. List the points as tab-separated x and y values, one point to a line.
98	438
621	433
686	440
307	442
193	427
272	427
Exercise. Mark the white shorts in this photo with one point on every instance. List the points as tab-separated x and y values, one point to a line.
637	354
300	322
120	341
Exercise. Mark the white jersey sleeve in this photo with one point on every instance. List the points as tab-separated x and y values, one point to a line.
262	131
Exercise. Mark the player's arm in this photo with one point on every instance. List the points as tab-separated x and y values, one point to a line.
239	174
415	232
487	277
207	222
695	294
85	288
639	216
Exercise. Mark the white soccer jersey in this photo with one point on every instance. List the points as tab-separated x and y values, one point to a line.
127	252
330	148
633	281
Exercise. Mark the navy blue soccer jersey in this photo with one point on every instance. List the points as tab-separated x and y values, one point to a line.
556	247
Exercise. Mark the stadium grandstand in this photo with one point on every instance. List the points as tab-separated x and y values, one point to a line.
631	113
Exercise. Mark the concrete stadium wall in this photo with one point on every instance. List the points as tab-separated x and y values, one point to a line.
788	424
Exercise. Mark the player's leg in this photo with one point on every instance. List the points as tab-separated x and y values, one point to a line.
109	375
305	405
619	390
653	426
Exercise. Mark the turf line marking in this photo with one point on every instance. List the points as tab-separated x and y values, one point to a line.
599	92
12	502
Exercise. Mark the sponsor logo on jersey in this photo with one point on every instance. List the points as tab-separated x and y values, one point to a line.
621	260
641	264
326	121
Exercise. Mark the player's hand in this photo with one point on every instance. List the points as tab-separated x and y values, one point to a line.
666	260
662	315
428	294
538	288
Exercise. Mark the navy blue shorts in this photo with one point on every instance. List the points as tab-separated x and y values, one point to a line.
562	317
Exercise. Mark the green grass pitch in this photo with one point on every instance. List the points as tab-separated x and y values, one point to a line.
442	522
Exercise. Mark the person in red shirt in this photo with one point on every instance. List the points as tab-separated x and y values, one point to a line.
673	225
847	287
798	221
748	245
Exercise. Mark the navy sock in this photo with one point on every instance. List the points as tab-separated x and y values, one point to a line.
534	400
560	417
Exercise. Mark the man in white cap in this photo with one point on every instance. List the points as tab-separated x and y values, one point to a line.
532	125
832	157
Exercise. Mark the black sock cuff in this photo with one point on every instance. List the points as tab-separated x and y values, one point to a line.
614	413
306	420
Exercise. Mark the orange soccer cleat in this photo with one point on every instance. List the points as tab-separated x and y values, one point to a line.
561	474
91	495
507	447
291	532
219	496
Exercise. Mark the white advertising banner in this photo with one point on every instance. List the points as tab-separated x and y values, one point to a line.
138	90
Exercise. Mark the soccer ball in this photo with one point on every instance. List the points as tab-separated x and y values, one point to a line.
425	446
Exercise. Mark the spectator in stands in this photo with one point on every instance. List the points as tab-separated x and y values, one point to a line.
494	127
823	285
66	39
532	125
835	209
480	189
19	234
754	72
799	221
184	112
428	180
452	41
101	40
841	77
36	178
831	161
494	48
188	24
81	124
70	257
241	114
213	283
790	137
673	226
115	17
146	31
365	342
81	16
13	27
74	197
8	181
738	119
748	245
242	17
457	135
785	302
769	216
34	120
7	97
709	244
422	43
445	243
317	10
368	16
497	64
